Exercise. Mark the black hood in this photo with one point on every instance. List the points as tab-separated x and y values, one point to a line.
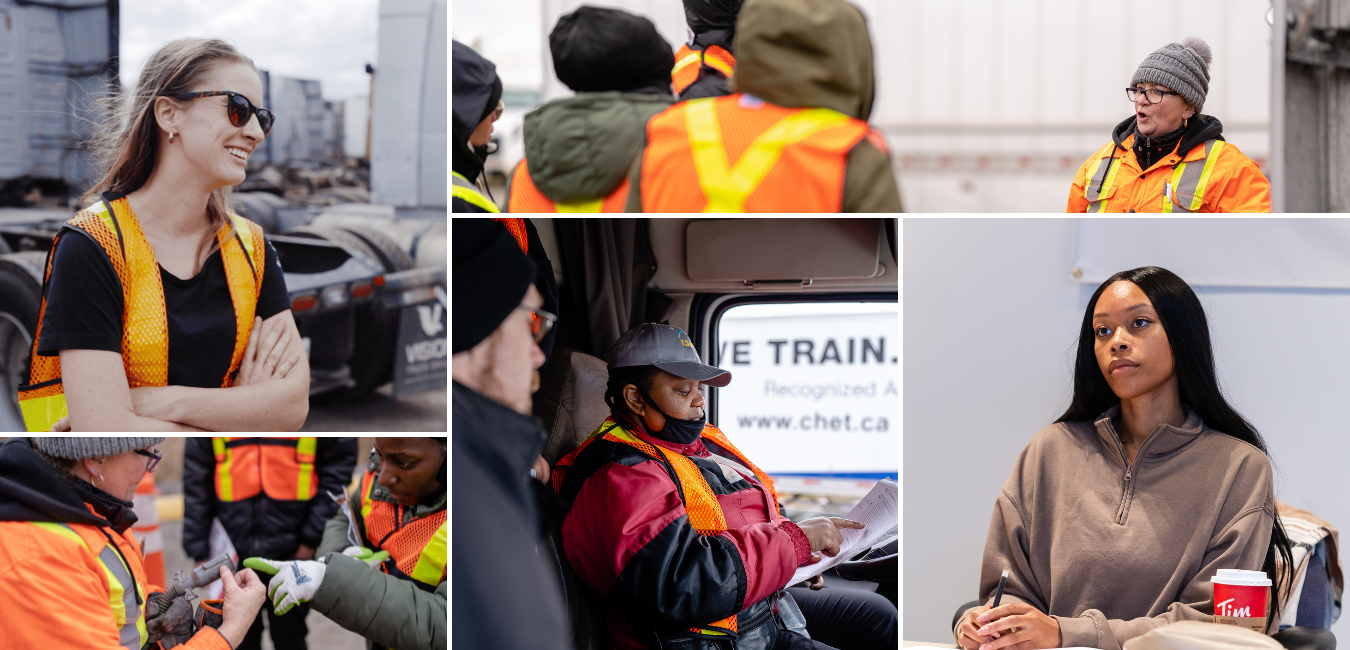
30	490
1201	129
712	21
474	82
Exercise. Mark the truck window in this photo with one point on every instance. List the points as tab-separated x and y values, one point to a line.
814	394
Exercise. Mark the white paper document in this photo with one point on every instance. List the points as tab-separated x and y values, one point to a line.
880	510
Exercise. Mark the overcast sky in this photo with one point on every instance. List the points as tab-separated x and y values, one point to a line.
328	40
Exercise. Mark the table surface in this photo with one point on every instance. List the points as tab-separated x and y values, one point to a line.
909	644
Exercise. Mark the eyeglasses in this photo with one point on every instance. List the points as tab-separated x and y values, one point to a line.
1151	95
239	108
154	456
540	322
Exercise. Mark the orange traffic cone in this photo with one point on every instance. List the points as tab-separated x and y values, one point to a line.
147	528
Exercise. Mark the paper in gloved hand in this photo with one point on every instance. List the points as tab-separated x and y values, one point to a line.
172	628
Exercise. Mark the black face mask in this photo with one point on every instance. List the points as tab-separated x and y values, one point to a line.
681	432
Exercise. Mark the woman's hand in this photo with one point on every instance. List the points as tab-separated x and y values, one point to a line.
823	533
967	635
268	355
1019	626
244	595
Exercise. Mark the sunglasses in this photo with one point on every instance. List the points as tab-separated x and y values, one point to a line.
540	322
154	457
239	108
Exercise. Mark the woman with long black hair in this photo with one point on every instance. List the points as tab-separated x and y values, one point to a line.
1116	517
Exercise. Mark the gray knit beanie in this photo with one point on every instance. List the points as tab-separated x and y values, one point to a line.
1183	67
82	448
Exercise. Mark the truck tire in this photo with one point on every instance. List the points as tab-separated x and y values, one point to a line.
392	255
20	300
372	362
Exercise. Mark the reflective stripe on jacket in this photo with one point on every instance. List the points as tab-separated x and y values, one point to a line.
739	154
417	546
461	188
1212	177
688	63
281	467
642	521
145	338
525	197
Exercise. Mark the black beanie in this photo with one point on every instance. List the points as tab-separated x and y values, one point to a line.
705	15
600	50
491	275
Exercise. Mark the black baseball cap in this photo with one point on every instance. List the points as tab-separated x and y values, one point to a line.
667	347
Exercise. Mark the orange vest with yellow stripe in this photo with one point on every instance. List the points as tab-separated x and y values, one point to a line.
283	468
688	63
525	197
145	328
741	154
417	548
705	513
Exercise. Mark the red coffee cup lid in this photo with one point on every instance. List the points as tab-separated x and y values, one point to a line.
1242	578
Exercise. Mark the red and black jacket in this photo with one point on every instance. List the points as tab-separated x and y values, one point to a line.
626	534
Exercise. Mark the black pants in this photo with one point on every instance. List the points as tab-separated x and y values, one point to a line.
846	619
288	632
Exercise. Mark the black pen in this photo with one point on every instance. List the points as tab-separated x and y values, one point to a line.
1001	581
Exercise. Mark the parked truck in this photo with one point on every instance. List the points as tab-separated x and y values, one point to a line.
366	281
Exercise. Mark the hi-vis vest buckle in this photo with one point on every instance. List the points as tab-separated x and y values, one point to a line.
145	340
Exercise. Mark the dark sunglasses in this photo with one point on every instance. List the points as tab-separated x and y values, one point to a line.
154	457
239	108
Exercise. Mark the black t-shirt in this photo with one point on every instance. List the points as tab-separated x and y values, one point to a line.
84	310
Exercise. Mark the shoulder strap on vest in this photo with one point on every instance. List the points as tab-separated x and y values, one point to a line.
243	255
461	188
1185	190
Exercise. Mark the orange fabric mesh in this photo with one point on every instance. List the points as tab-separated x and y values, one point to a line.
245	472
517	229
684	73
525	197
44	368
714	434
244	287
45	391
807	177
405	543
719	59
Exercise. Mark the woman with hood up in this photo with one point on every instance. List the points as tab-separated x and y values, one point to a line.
1168	157
578	149
477	104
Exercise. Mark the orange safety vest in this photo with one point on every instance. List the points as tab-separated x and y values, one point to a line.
525	197
688	63
145	328
281	467
417	548
738	154
705	513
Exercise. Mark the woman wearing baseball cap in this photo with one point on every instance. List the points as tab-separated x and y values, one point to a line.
682	533
1167	156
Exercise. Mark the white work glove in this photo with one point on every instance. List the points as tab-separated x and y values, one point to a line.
371	558
295	582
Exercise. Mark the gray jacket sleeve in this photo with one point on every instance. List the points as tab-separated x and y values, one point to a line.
386	610
334	535
869	181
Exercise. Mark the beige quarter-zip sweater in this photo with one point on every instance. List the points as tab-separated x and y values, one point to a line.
1114	549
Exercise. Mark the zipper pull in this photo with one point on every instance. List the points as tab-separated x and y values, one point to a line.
1128	470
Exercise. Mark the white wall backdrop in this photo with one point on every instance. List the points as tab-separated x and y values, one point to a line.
991	316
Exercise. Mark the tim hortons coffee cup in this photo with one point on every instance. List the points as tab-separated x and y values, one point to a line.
1240	598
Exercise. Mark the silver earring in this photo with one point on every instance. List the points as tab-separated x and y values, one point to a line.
171	136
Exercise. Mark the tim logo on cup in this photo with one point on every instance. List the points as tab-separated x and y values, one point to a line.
1240	598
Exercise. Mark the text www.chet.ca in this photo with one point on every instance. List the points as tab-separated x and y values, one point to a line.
814	422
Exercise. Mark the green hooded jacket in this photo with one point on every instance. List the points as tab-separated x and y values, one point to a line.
579	148
389	612
810	54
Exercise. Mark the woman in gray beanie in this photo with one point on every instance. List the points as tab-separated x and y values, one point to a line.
71	571
1168	157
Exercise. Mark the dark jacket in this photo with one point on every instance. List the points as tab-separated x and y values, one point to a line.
713	22
641	552
389	612
261	526
506	597
474	80
810	54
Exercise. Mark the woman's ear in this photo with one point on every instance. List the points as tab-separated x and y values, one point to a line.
634	400
167	114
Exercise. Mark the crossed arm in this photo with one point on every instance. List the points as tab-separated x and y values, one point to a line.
270	393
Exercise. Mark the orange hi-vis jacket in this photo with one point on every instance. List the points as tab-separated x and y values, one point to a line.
281	467
145	324
705	512
76	586
525	197
688	63
1211	177
417	547
741	154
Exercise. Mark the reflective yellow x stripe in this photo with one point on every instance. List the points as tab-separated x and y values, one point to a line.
727	189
